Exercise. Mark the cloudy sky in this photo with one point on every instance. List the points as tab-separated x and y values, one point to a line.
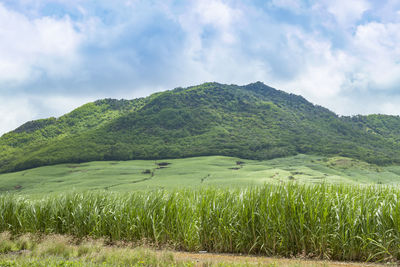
56	55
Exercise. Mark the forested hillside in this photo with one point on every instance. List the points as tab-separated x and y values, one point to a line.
253	121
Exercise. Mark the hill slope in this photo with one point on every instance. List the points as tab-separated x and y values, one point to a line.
216	171
253	121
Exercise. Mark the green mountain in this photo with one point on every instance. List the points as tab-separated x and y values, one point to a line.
253	121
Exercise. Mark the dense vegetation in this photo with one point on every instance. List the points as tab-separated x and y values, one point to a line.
253	121
334	222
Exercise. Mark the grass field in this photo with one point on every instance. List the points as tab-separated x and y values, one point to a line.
337	222
302	206
194	172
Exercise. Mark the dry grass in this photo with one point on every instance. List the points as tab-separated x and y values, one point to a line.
59	250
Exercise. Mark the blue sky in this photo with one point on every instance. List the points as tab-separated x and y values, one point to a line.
56	55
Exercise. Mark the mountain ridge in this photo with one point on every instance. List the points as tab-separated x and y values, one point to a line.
253	121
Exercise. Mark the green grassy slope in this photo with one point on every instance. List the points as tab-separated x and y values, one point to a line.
253	121
194	172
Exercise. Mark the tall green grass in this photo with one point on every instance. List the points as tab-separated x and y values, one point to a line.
326	221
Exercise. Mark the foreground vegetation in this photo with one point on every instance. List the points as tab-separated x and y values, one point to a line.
253	122
335	222
56	250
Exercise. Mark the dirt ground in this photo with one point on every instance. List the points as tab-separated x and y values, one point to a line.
204	258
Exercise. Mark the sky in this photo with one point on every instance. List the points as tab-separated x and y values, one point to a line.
56	55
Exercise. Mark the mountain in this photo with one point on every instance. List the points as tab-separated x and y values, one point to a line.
253	121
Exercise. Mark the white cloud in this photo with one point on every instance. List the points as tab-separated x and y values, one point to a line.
322	70
31	47
21	108
346	80
212	13
347	12
210	45
391	107
376	46
14	112
314	68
